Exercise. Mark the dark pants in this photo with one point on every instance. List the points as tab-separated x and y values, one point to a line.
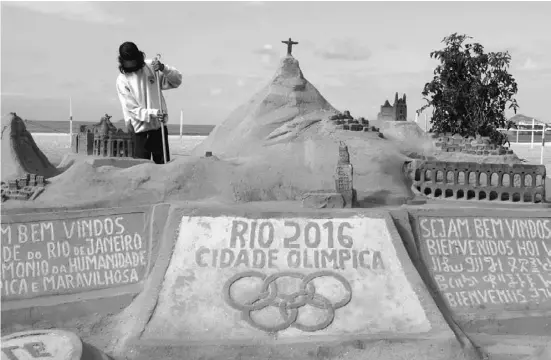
149	144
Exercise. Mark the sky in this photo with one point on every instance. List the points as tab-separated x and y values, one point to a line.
357	54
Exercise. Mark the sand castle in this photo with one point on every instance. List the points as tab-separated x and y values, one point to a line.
398	111
103	139
345	121
216	257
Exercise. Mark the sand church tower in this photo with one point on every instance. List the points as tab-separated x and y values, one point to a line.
395	112
344	176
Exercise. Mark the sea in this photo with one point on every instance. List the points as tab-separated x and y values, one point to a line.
56	145
52	137
62	127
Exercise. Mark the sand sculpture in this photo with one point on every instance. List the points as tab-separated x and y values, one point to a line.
103	139
20	154
398	111
290	44
25	188
24	165
344	195
344	176
475	146
345	121
210	256
499	181
517	183
293	125
281	112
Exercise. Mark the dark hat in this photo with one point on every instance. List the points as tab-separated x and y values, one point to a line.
129	51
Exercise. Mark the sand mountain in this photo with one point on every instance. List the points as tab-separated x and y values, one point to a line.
283	142
279	112
277	146
20	154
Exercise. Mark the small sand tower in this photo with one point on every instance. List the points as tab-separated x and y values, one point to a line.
344	175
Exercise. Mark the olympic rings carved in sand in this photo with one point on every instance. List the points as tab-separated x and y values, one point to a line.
288	304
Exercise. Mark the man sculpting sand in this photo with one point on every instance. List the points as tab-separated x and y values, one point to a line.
138	93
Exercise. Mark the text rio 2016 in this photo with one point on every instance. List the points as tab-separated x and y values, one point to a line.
313	245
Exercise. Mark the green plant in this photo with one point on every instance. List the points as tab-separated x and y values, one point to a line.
470	90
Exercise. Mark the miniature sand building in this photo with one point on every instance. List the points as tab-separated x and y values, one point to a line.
103	139
27	187
344	175
396	112
344	195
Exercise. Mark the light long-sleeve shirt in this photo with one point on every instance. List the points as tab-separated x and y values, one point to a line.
139	95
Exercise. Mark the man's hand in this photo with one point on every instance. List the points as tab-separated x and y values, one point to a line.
162	117
157	65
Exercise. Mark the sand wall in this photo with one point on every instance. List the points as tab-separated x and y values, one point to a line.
197	281
75	269
491	270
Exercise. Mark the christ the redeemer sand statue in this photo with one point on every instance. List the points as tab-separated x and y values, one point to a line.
290	44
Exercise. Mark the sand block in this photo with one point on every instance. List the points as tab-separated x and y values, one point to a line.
492	270
223	284
46	344
72	252
97	161
323	200
58	266
278	281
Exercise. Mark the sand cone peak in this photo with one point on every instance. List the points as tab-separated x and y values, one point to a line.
20	154
289	69
287	106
